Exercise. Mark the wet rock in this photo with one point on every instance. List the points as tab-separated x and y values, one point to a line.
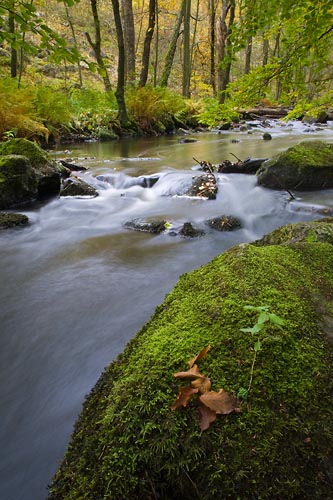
47	170
148	181
18	181
184	140
306	166
74	186
224	223
11	219
204	186
72	166
147	226
188	231
266	136
248	166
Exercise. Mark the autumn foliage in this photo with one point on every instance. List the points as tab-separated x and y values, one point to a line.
210	403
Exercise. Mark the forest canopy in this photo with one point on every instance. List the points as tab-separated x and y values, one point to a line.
222	55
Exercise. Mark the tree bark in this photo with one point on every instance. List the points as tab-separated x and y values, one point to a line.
147	43
120	92
212	37
13	52
224	46
70	22
248	55
172	48
265	50
96	46
187	51
129	38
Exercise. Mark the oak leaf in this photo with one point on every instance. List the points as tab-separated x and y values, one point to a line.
202	383
202	354
220	402
184	396
191	374
206	416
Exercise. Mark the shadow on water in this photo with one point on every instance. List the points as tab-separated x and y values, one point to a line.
76	285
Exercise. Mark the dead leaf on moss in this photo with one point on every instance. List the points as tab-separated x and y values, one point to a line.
202	383
191	374
206	416
184	396
220	402
202	354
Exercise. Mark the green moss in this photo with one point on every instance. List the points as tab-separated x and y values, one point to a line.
29	149
307	153
128	444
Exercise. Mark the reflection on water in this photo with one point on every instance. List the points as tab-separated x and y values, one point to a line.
76	285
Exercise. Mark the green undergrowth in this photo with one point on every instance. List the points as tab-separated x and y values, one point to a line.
129	444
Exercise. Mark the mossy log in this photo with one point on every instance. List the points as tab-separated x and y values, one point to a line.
129	444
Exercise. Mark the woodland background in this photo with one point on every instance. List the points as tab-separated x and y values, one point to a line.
104	66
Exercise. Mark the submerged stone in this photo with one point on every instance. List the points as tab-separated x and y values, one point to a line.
12	219
188	231
224	223
147	226
129	444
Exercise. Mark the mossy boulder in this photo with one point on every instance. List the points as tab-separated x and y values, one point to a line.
129	444
18	181
306	166
47	171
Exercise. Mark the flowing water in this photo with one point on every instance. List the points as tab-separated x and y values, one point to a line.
76	285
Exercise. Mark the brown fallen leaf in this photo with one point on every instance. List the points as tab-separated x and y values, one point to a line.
206	416
220	402
184	396
191	374
202	354
202	383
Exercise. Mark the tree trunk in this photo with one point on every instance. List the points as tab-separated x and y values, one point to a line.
70	22
187	51
248	54
13	52
224	46
147	43
120	92
172	47
194	32
96	46
129	38
265	50
156	45
212	18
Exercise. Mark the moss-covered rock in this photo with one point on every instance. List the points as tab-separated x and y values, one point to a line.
320	231
129	444
306	166
18	181
47	171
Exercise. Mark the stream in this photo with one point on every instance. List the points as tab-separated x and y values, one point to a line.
76	285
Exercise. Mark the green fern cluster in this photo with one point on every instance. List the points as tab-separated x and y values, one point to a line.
148	105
